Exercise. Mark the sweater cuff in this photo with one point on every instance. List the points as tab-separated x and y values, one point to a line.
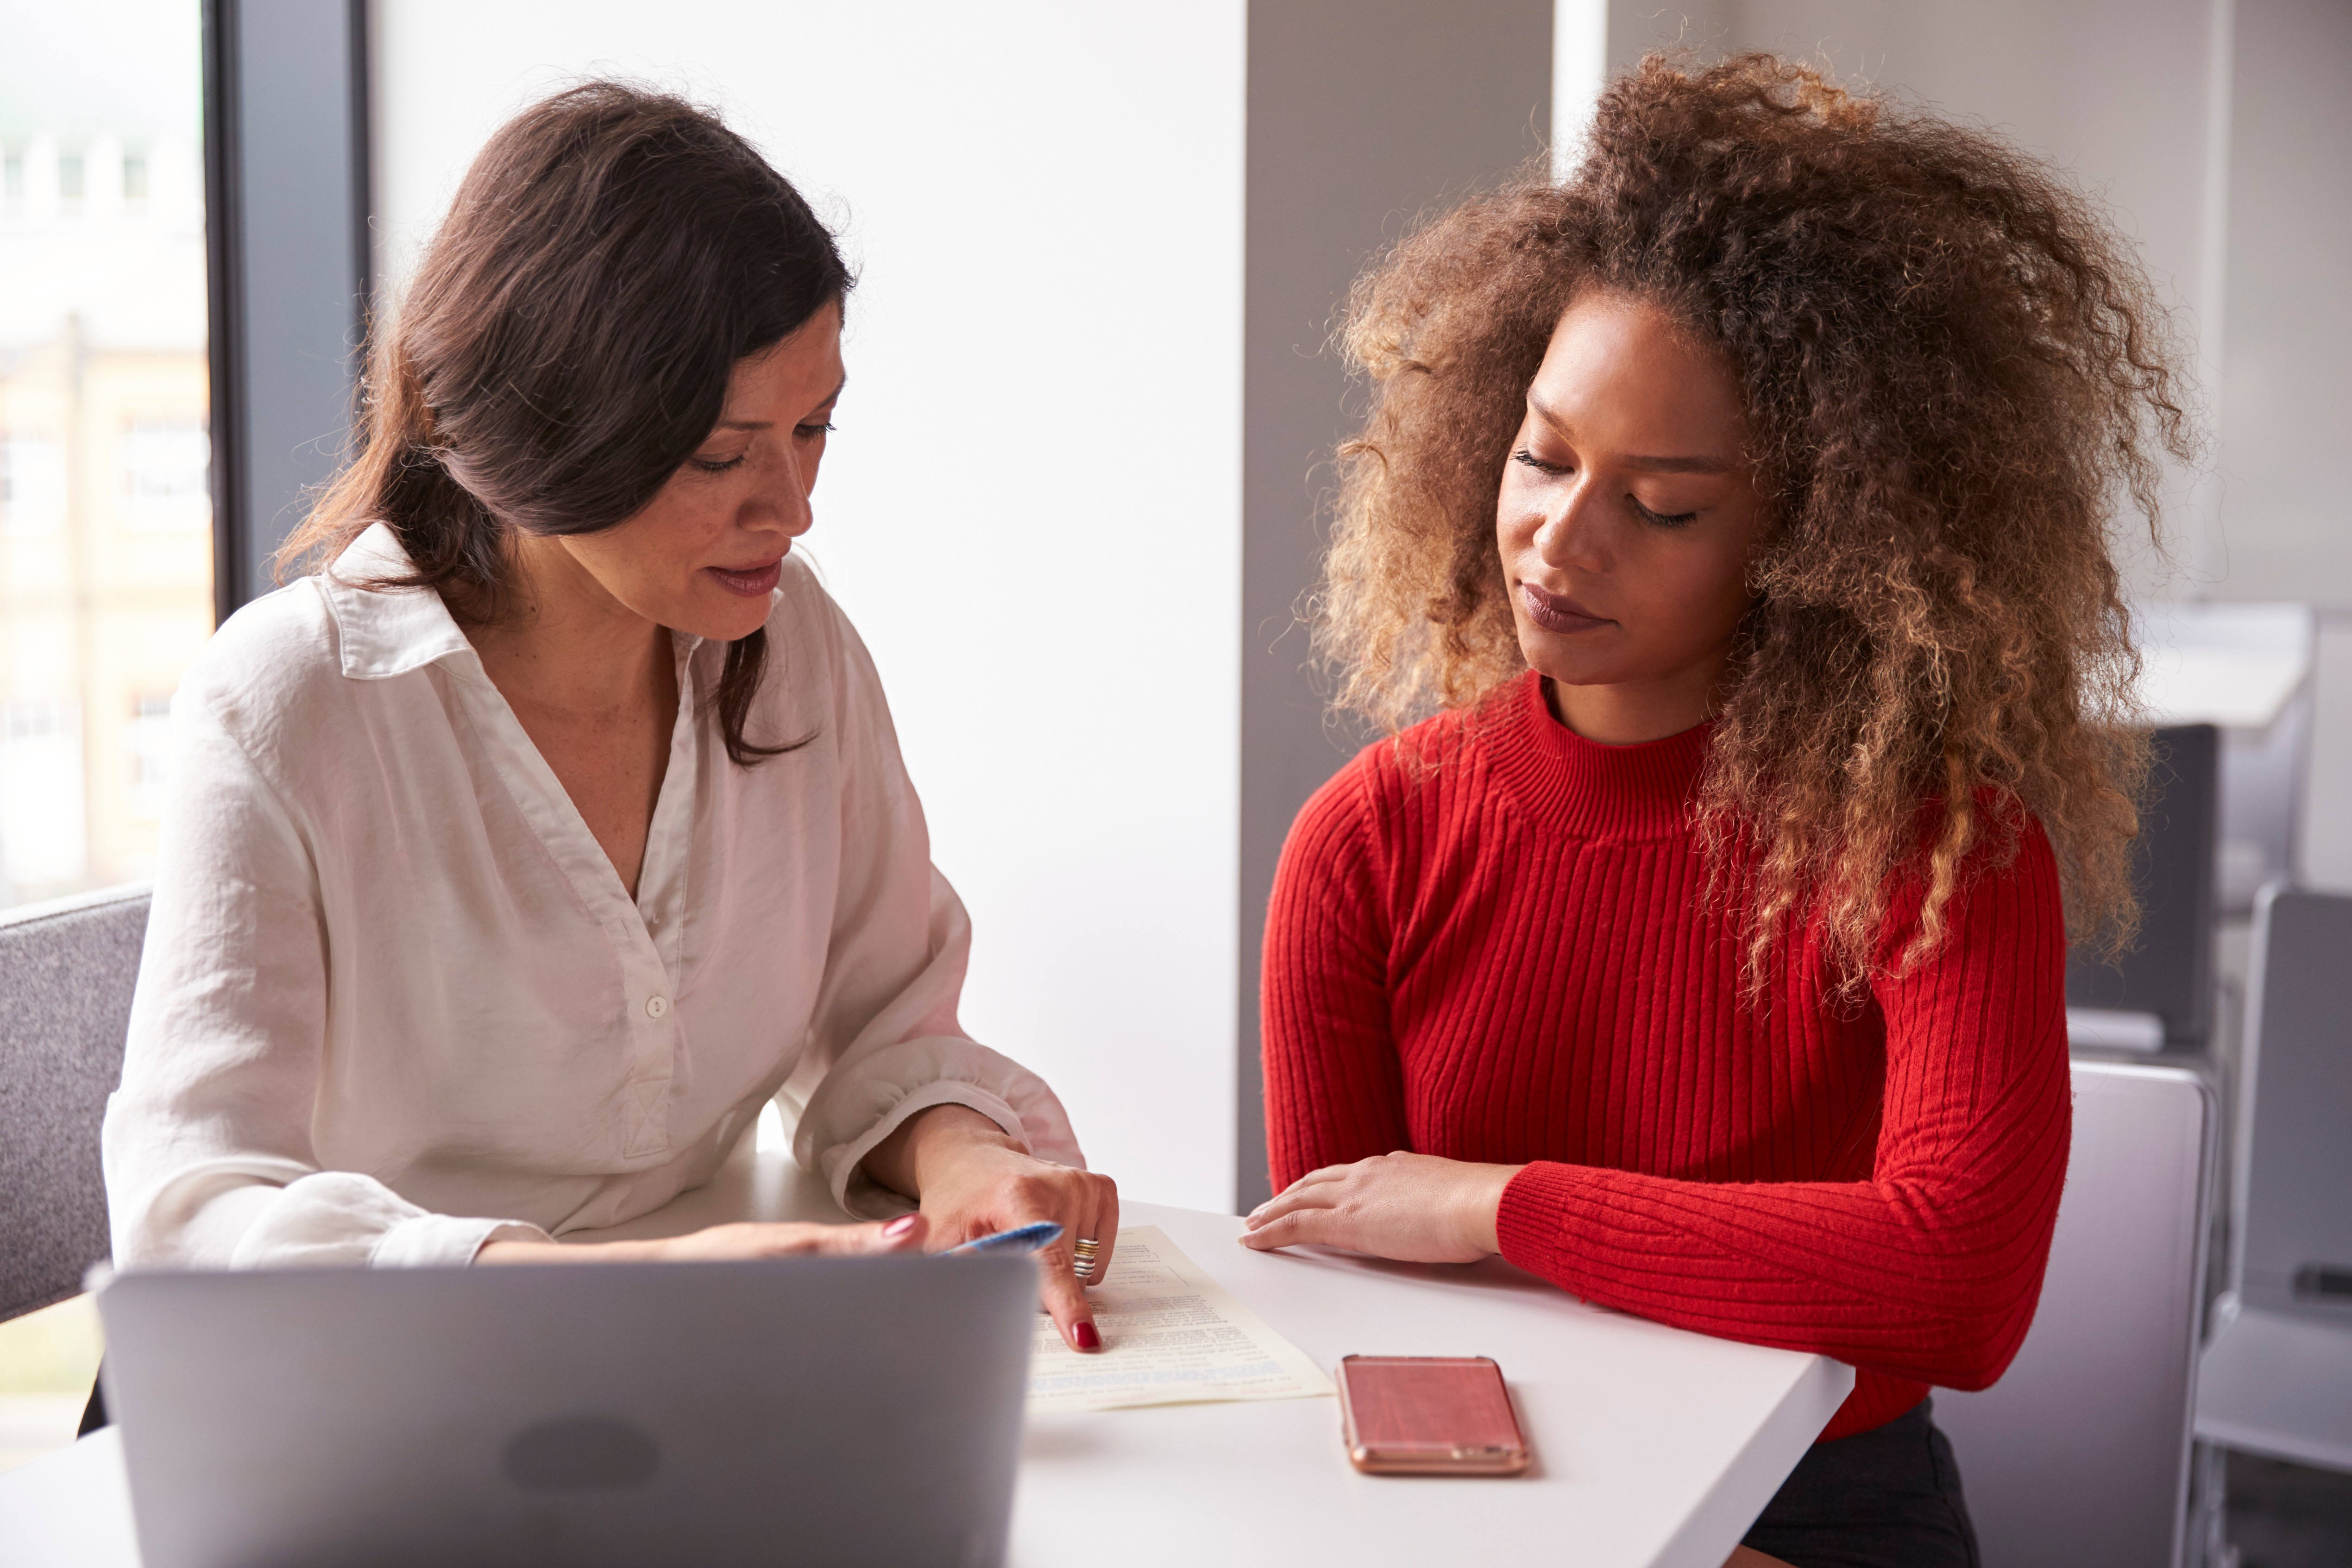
1527	1222
444	1241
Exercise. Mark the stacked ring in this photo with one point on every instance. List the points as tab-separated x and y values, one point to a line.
1081	1257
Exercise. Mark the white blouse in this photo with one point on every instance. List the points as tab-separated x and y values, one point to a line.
396	1002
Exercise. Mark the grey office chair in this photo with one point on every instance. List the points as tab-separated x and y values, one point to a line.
67	970
2277	1376
2079	1456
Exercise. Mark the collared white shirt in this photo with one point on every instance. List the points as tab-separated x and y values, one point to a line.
396	1001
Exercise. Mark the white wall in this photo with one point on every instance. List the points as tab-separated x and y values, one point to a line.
2214	130
2286	466
1032	508
2118	93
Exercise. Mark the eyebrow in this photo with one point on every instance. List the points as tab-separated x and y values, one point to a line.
1684	464
830	397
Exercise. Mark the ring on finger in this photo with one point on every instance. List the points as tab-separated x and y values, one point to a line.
1081	1257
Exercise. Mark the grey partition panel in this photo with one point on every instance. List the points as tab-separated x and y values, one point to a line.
1363	116
2295	1192
66	972
2079	1456
2170	972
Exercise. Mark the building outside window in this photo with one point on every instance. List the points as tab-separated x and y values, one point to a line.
43	829
32	484
73	181
165	473
106	585
105	503
147	748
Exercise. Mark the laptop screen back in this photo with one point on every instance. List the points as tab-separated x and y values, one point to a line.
820	1410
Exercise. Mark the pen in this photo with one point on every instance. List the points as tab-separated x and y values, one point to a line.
1020	1238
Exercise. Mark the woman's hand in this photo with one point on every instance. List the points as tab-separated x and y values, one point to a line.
722	1242
974	1179
1416	1208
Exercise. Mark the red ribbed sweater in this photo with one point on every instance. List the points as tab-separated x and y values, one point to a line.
1491	943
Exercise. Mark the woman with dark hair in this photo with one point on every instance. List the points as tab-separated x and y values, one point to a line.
1742	505
519	855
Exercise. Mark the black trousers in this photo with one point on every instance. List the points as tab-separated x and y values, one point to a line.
1883	1498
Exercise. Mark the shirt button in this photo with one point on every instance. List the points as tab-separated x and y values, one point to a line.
656	1007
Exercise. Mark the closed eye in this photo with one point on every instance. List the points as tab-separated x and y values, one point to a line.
1538	464
1663	520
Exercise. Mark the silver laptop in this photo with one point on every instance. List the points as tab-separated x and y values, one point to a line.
832	1411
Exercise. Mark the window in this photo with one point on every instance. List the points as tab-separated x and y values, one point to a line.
32	486
166	483
43	834
106	550
147	748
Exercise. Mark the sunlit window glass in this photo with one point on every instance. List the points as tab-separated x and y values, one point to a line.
105	497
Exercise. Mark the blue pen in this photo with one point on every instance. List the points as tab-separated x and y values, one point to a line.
1020	1238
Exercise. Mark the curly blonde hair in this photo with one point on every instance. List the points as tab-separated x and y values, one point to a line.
1957	379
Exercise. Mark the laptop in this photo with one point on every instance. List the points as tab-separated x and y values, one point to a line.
817	1410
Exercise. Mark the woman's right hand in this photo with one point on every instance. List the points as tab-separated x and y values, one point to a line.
726	1243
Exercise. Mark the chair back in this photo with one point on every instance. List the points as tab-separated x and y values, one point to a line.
66	972
2293	1234
2277	1377
2079	1456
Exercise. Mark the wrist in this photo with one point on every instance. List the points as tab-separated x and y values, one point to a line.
922	1147
946	1134
1482	1216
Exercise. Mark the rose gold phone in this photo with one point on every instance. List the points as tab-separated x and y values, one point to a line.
1428	1415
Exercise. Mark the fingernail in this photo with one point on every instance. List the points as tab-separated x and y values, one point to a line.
1088	1338
898	1227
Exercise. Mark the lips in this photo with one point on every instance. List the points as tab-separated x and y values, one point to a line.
750	581
1556	612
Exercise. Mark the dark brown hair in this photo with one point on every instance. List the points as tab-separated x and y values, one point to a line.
1953	371
566	345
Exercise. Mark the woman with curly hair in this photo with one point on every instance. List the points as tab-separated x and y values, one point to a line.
1742	507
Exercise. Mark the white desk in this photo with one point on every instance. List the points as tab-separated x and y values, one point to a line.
1653	1447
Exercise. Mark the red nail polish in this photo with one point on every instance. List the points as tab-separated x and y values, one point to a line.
1088	1338
898	1227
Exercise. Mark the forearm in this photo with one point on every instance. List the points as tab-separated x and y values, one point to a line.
1931	1281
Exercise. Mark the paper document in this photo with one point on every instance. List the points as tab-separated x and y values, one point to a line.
1170	1336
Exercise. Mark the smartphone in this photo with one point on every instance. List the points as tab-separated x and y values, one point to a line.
1428	1415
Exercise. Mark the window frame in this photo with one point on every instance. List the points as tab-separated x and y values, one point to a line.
289	265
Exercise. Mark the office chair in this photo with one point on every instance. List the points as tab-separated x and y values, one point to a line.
2277	1377
67	970
2078	1458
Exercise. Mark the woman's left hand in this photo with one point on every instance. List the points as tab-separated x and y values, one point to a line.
1416	1208
974	1179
